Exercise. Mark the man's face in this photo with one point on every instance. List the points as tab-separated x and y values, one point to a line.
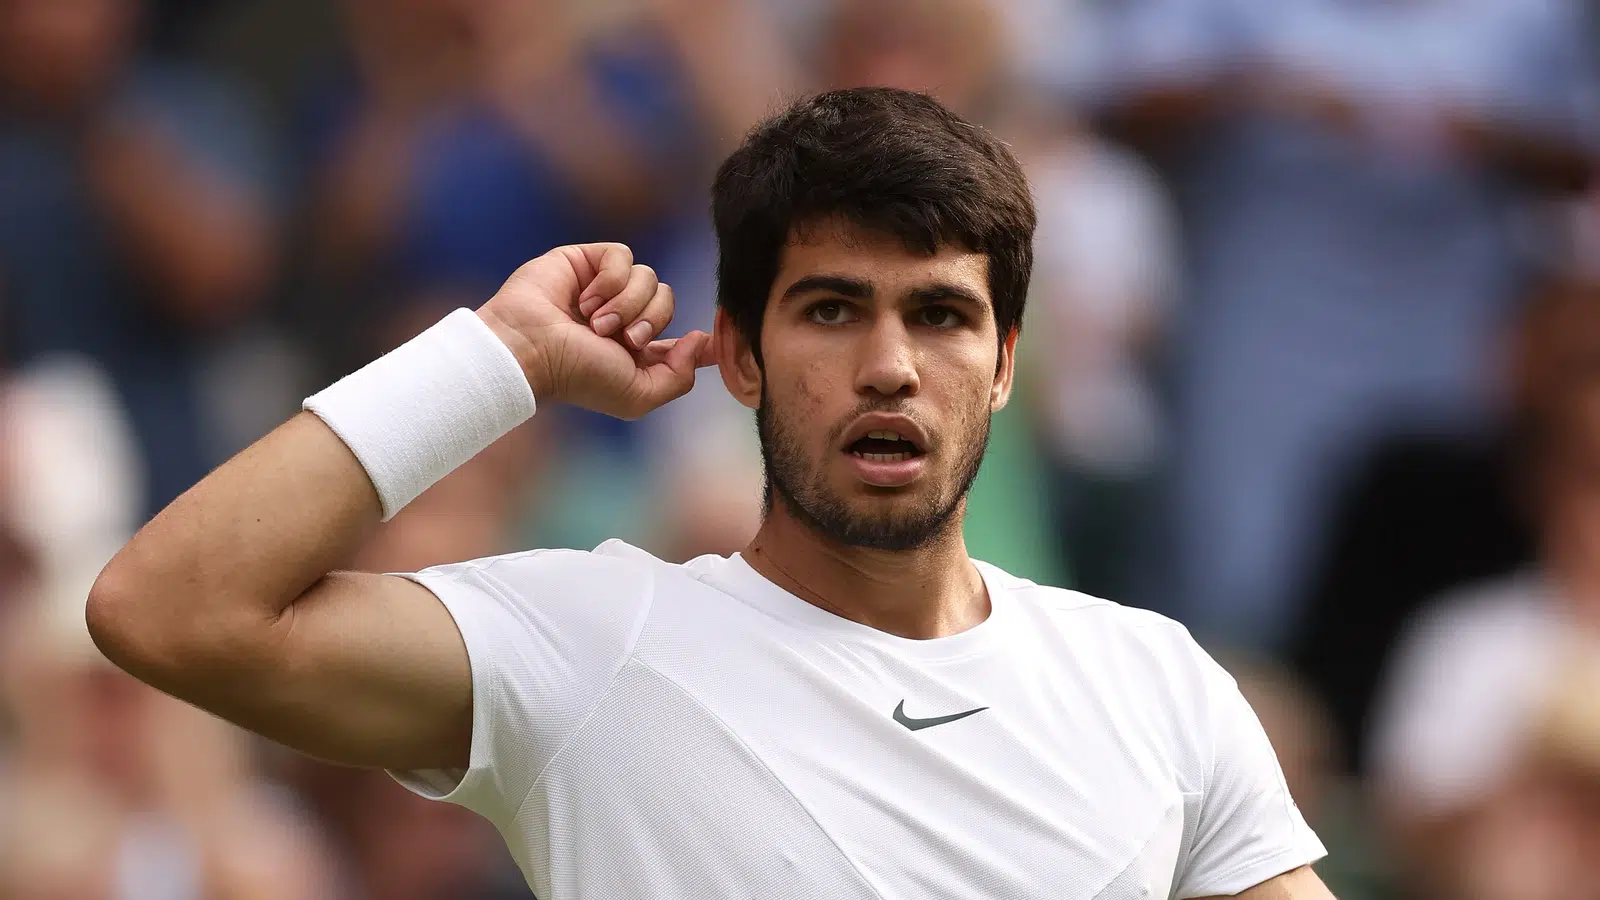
881	370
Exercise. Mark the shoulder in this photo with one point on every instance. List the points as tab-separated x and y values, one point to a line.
1118	637
613	557
602	581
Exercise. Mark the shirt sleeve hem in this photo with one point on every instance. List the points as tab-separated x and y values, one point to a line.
471	788
1244	877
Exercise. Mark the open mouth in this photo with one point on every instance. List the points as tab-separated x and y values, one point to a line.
884	446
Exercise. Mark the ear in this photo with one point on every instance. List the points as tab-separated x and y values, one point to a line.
740	374
1005	373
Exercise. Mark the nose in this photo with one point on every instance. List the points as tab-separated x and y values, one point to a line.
887	364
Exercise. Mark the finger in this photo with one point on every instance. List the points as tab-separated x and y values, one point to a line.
656	351
610	266
707	354
684	357
653	319
674	375
620	311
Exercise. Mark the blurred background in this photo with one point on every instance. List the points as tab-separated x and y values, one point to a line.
1311	363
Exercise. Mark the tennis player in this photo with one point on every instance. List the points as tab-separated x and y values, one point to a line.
849	708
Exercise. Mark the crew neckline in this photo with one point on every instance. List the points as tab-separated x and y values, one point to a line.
740	580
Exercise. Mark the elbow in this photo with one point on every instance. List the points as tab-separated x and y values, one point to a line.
148	625
115	621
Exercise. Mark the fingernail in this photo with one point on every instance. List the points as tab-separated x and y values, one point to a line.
589	305
607	324
639	333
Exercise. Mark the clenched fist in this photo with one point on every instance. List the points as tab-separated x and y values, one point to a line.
582	321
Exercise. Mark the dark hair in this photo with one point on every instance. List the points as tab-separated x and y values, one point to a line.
888	160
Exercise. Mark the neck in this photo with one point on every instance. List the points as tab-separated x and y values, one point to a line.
931	592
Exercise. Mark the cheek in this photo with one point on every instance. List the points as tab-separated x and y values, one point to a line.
808	398
966	385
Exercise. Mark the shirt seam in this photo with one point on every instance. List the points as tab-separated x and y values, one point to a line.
1138	856
611	683
760	760
1288	852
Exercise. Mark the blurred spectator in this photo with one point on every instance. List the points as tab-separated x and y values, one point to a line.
1583	250
1425	514
472	136
950	48
1103	283
116	792
108	789
397	846
135	225
1348	174
1485	754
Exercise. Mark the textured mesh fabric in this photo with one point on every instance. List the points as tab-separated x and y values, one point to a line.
649	730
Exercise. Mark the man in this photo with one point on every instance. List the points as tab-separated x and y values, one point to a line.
849	708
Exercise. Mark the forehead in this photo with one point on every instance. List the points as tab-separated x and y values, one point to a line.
881	260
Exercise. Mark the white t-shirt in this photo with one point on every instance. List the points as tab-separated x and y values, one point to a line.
643	729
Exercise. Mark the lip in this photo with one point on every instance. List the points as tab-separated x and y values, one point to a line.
870	422
886	474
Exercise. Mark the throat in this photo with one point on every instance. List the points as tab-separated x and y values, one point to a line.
921	595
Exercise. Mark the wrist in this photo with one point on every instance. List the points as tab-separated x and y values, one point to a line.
527	354
416	413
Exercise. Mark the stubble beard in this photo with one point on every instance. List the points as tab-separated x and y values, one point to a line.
805	491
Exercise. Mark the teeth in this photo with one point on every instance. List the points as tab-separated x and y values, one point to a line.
885	435
883	457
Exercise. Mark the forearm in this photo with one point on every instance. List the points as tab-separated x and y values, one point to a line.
230	555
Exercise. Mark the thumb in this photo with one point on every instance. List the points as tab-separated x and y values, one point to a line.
673	376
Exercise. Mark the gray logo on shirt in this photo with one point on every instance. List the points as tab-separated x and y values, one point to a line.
919	724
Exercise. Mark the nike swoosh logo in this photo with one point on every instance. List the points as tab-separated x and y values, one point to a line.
919	724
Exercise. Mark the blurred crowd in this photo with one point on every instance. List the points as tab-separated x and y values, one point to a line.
1311	363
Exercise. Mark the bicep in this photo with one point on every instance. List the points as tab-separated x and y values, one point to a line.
362	670
1300	884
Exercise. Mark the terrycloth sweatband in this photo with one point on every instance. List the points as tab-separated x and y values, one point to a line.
415	414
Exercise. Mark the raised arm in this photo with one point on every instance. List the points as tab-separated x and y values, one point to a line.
229	599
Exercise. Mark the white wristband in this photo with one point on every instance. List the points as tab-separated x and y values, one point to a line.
415	414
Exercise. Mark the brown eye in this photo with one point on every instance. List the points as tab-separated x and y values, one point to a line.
939	317
833	313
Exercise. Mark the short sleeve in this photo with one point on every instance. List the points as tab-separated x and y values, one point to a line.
1249	830
546	632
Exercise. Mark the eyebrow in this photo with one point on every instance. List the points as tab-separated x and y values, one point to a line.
858	289
945	292
854	288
